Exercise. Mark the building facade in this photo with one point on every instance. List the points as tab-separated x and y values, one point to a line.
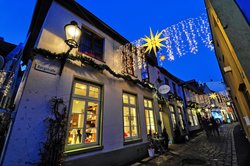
231	36
111	108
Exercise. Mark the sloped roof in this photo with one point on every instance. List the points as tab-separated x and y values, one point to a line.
6	48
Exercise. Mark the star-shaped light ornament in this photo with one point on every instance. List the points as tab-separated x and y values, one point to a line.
162	57
212	96
154	42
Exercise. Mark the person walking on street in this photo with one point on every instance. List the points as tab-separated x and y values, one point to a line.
215	126
166	138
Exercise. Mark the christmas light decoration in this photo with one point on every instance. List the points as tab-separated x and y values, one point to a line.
178	40
154	42
213	96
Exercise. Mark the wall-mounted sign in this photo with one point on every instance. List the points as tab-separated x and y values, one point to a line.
164	89
47	68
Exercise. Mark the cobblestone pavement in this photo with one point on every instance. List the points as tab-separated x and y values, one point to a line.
215	151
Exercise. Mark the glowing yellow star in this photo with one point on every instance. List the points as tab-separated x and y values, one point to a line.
162	57
212	96
154	42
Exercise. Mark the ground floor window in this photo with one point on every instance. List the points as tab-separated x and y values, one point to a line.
172	114
161	116
190	117
84	118
180	117
195	117
149	113
130	117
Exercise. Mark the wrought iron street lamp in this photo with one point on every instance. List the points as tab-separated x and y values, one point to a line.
73	33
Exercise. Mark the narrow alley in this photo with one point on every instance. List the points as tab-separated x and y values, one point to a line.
217	150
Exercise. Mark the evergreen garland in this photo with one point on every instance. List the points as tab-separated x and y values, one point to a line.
91	62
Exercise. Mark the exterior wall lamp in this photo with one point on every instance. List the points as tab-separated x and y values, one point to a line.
73	33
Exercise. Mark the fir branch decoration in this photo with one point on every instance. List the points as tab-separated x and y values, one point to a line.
91	62
52	152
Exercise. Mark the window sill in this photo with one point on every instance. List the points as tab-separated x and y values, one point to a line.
132	141
89	56
83	150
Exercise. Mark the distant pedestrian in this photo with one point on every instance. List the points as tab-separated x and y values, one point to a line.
205	126
215	126
166	138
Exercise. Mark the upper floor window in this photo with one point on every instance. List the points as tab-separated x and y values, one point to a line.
91	44
84	121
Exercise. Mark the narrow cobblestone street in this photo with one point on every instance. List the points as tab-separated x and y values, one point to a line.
217	150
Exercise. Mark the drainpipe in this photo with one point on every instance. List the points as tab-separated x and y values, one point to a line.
185	108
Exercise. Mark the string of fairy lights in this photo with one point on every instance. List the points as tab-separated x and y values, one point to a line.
177	40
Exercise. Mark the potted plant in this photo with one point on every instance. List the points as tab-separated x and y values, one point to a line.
151	148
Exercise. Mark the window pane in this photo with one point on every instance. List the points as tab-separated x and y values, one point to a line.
132	100
173	119
91	122
125	111
80	89
191	120
133	121
132	112
152	122
134	131
145	103
126	121
179	110
171	108
151	115
75	136
126	132
125	98
78	106
93	92
149	104
148	130
153	129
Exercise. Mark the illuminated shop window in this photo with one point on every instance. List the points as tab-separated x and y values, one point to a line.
130	122
172	114
161	116
195	117
149	113
180	117
190	117
83	130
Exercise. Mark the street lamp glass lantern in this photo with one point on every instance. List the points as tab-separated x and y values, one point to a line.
73	33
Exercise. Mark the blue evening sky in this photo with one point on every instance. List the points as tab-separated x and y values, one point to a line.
132	19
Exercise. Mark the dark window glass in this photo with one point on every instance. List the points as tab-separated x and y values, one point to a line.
91	44
174	87
166	81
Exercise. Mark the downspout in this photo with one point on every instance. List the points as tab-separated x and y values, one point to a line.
185	108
